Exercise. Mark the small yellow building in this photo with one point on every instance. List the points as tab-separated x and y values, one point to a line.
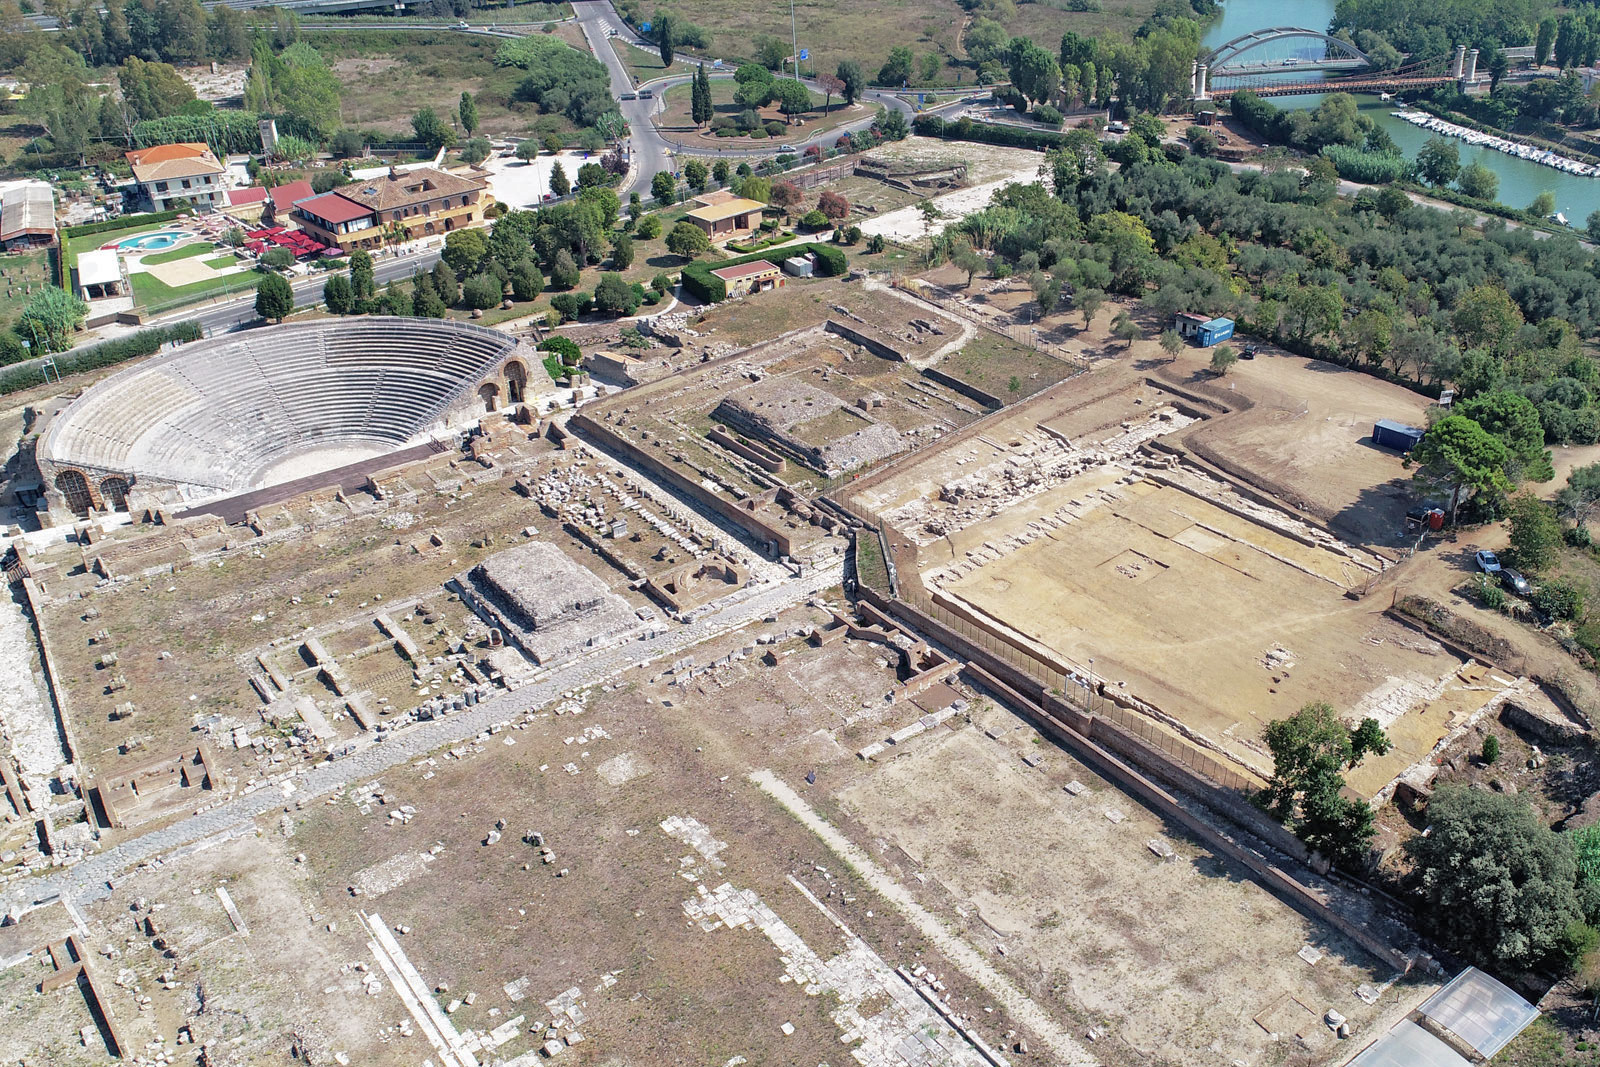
728	219
754	277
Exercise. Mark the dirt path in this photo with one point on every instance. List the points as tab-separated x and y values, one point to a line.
1064	1048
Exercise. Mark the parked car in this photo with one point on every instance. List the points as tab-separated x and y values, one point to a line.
1487	561
1514	581
549	196
1249	351
787	148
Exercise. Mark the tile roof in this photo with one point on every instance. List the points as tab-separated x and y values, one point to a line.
404	190
714	197
253	195
333	208
284	196
745	270
726	210
168	161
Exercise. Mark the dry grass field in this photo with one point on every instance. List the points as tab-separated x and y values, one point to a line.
865	30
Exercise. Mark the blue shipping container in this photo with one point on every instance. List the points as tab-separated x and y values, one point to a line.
1214	332
1387	433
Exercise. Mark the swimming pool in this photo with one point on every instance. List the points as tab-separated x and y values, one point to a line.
153	242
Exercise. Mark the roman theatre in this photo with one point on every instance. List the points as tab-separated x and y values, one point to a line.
243	411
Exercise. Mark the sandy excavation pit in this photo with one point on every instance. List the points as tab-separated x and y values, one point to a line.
1076	525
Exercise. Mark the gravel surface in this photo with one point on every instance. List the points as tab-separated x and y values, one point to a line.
88	880
26	712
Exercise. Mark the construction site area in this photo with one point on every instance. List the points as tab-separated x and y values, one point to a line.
885	690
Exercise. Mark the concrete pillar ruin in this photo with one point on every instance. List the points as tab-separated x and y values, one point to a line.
1203	79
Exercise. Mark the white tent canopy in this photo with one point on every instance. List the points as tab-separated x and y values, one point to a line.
1476	1012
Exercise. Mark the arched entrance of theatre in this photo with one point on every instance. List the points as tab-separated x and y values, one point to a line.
75	489
489	393
114	491
516	381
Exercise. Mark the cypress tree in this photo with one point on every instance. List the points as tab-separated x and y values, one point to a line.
700	100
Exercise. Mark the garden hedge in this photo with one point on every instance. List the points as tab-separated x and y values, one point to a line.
966	130
698	279
107	354
121	222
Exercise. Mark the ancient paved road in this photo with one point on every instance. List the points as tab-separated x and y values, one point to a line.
87	880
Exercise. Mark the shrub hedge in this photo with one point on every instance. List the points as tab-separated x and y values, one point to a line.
106	354
965	129
122	222
698	279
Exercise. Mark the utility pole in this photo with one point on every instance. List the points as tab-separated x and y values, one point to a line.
794	41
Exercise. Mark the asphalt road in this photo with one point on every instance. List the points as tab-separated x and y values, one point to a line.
648	151
651	150
232	314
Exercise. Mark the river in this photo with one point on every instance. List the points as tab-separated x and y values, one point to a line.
1520	180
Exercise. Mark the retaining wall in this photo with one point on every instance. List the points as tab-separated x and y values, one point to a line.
1091	740
747	521
971	392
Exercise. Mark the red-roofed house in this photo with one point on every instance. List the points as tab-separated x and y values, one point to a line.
171	172
754	277
268	206
335	220
416	203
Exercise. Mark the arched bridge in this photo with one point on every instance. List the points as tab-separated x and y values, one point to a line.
1234	57
1323	63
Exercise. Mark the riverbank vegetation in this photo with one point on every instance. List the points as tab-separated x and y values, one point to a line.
1362	151
1411	293
1548	102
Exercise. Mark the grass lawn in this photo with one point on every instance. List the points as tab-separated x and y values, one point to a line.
92	241
15	132
189	251
152	294
502	14
223	262
387	76
1004	368
865	30
646	66
675	115
17	273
